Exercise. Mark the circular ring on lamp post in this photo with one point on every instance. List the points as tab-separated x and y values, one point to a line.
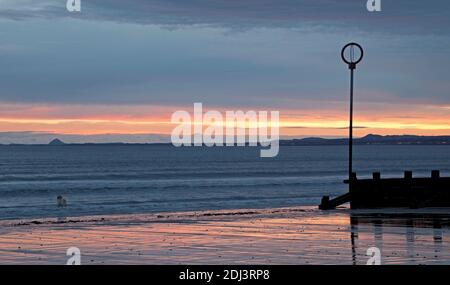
351	61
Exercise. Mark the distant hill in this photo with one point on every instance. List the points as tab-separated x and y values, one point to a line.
373	140
56	142
43	138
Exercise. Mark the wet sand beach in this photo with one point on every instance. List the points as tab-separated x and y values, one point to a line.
274	236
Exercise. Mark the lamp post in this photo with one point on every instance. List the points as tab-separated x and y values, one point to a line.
348	56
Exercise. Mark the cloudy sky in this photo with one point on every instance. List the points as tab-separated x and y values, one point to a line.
122	67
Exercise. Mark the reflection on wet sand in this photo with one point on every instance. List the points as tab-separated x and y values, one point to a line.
423	234
273	236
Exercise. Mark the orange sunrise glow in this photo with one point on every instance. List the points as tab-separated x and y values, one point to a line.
110	119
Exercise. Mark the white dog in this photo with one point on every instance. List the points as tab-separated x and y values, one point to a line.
61	201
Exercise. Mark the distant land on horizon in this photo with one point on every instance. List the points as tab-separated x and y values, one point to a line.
370	139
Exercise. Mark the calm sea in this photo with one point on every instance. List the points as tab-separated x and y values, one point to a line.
132	179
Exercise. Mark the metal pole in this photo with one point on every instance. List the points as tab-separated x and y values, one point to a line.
352	62
350	137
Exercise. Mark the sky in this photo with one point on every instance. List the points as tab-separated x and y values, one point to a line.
117	70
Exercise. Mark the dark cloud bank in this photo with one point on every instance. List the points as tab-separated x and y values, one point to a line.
400	16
